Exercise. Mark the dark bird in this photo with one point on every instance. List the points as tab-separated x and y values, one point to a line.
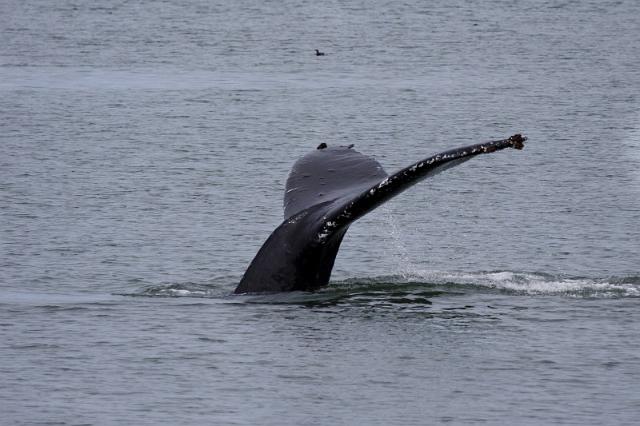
319	53
327	190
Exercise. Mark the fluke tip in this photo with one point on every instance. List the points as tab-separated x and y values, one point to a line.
517	141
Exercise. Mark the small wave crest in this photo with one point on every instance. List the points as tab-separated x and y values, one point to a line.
177	290
523	283
418	282
186	289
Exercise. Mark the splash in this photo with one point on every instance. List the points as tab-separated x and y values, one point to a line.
528	283
396	247
416	284
212	289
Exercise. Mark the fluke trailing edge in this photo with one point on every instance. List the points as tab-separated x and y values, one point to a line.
327	190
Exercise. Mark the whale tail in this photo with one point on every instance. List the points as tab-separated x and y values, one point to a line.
327	190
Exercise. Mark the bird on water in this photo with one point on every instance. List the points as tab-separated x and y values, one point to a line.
319	53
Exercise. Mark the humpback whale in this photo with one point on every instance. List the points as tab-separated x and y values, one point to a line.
326	191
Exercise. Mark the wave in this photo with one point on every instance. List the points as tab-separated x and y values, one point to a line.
187	289
526	283
417	286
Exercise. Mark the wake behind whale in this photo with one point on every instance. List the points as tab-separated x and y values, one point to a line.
327	190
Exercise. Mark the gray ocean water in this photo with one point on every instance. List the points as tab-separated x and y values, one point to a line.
144	147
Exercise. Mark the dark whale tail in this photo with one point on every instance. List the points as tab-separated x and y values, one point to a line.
327	190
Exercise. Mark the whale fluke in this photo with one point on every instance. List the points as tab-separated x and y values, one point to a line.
327	190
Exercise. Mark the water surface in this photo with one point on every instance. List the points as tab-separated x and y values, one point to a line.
145	146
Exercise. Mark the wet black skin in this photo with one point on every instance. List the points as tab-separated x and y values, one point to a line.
327	190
